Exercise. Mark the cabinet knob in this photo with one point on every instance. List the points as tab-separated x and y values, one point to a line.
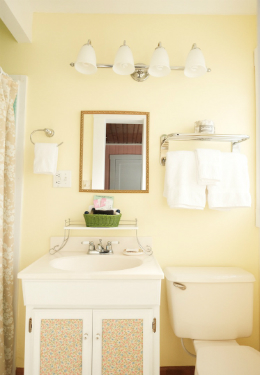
97	336
85	336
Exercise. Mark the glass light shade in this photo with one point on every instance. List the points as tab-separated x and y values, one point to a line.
124	61
195	63
160	64
86	62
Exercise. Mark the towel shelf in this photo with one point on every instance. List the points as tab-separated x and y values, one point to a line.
124	225
235	139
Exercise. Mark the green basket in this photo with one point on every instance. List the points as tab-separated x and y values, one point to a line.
102	220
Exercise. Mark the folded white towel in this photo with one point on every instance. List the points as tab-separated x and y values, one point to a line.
45	158
209	166
181	187
233	189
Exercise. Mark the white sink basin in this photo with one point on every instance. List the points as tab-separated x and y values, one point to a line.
95	263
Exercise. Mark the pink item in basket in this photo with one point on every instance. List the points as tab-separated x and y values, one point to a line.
96	203
99	203
103	202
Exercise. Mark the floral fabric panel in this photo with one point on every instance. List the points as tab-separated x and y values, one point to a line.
122	347
8	92
61	347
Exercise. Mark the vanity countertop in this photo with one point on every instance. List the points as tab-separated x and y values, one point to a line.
73	262
42	268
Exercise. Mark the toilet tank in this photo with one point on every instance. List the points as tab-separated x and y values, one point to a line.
217	303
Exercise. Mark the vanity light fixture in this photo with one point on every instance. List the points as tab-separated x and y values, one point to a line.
160	63
195	64
86	62
124	63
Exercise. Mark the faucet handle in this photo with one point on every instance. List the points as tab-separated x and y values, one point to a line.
109	247
91	246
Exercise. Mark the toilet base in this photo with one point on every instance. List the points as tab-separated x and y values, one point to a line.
204	343
226	358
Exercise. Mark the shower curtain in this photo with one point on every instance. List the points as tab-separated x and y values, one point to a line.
8	92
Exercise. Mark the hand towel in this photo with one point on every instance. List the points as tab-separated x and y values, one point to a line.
45	158
181	187
209	166
233	189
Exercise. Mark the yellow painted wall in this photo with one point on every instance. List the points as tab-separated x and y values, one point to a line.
57	94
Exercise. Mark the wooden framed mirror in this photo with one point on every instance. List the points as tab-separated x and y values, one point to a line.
114	152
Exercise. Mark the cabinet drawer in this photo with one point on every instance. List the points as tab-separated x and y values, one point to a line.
84	293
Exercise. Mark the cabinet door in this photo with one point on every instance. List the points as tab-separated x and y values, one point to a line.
122	342
62	342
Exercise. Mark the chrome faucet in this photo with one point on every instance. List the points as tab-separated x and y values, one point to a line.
100	249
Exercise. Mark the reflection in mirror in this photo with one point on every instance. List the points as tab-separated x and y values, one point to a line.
114	151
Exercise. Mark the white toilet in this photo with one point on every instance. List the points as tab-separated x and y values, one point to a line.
214	306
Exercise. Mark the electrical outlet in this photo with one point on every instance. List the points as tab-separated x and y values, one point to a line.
62	179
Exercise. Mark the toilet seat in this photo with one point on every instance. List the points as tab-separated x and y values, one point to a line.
228	360
198	344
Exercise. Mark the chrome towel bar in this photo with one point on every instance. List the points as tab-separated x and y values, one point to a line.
235	139
48	133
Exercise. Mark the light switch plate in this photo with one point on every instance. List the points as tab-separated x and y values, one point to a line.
62	179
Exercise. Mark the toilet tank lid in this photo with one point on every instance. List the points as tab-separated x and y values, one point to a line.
208	275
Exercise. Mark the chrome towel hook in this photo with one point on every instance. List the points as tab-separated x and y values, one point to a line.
48	133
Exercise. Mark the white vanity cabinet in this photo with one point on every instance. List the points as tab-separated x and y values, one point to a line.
92	321
76	323
85	342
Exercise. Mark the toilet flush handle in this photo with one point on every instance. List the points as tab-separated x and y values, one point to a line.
179	285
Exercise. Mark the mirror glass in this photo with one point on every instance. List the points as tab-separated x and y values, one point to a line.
114	151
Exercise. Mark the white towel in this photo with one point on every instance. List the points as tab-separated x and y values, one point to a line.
233	190
181	187
45	158
209	166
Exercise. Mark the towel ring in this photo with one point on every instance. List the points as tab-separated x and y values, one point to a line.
48	133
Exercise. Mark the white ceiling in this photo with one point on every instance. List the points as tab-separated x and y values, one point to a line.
146	6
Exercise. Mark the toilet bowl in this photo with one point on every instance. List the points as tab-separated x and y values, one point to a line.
214	306
225	358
